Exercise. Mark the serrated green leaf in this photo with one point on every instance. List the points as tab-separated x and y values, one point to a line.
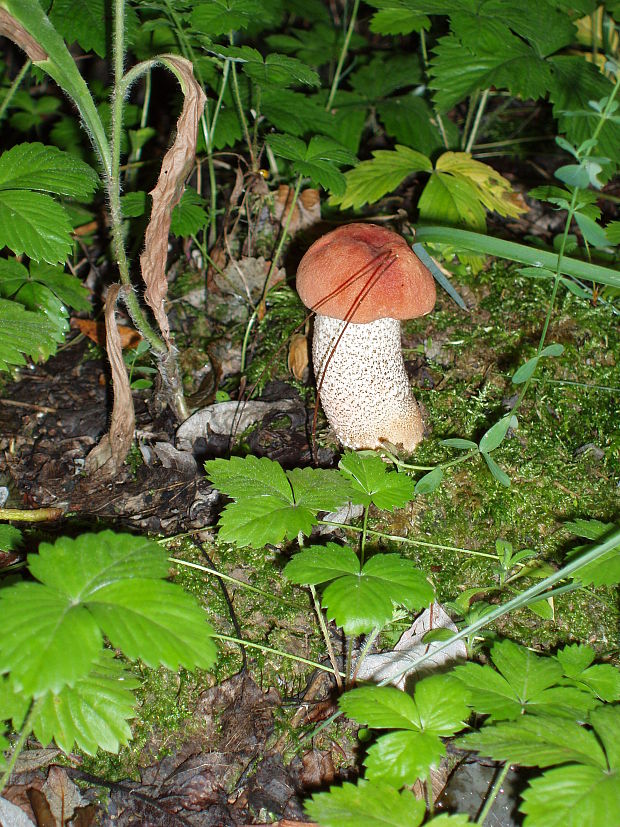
409	120
189	216
10	538
373	482
272	505
612	230
602	678
46	169
280	70
384	73
81	22
93	714
572	796
318	564
34	224
67	637
22	332
537	741
429	482
371	180
361	602
451	200
369	804
525	683
217	17
154	621
496	434
402	757
133	204
589	529
397	19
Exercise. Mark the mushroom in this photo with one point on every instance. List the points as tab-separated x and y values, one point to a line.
361	280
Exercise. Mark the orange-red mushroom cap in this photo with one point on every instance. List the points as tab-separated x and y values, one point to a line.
364	272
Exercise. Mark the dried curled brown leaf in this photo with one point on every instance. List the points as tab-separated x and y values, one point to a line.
175	168
11	28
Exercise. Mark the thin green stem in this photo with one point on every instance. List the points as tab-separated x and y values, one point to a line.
477	120
272	651
370	639
14	87
490	799
363	538
343	55
325	631
241	114
283	234
241	583
19	744
246	339
407	540
349	660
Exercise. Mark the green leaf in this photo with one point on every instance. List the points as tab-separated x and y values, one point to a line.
189	216
525	371
10	538
409	120
602	572
369	804
46	169
572	796
592	232
371	180
217	17
525	683
461	444
65	289
318	161
373	482
429	482
395	18
361	602
93	714
22	332
500	475
318	564
602	678
537	741
34	224
280	70
496	434
81	22
402	757
133	204
451	200
271	504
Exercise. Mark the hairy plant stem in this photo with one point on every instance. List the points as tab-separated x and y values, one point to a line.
241	583
370	639
476	125
343	55
490	799
364	535
35	515
325	631
14	87
19	744
273	651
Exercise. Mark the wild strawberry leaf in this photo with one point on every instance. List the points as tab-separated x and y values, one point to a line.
10	538
371	180
601	678
367	804
524	682
93	714
492	190
409	120
216	17
271	504
189	216
373	482
318	161
23	332
82	23
394	17
34	224
46	169
280	70
318	564
452	201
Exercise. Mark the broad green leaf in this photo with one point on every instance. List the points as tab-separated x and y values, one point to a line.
46	169
361	602
81	22
552	350
371	180
606	570
592	232
133	204
525	371
79	567
429	482
217	17
384	73
271	504
395	18
46	288
154	621
492	190
612	230
461	444
602	678
525	683
318	564
451	200
93	714
10	538
316	46
537	741
606	722
280	70
589	529
381	707
34	224
402	757
373	482
572	796
369	804
68	639
287	146
23	332
494	437
189	216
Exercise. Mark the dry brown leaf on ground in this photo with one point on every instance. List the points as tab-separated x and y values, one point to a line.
95	331
108	456
175	168
306	212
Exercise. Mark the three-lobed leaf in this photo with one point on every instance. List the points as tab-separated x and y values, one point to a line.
371	804
373	482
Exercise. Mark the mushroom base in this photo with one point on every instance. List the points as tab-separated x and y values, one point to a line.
363	384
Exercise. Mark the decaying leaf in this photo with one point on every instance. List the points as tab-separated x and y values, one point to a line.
96	332
11	28
62	795
388	665
175	168
109	455
298	357
306	212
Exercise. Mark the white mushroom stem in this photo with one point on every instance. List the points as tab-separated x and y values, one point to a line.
364	387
